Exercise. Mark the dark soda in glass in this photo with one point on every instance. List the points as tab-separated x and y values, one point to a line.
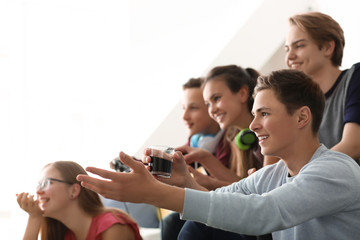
160	166
161	160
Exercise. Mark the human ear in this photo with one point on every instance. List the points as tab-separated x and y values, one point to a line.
329	48
244	94
75	191
303	116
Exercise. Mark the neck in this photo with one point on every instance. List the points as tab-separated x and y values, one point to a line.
77	221
214	128
326	77
300	154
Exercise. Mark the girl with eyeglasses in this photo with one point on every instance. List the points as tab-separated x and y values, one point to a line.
65	210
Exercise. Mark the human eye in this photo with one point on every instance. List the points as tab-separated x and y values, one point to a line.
264	114
47	183
300	45
43	184
40	185
217	98
193	107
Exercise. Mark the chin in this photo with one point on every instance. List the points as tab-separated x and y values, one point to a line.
48	214
223	125
45	214
266	152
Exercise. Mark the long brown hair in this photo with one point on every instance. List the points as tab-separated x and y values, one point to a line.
236	77
89	201
241	160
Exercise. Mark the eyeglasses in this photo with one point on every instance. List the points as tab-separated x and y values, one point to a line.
45	184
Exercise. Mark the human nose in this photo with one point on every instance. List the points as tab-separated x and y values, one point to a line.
212	109
255	125
38	187
185	115
290	54
39	191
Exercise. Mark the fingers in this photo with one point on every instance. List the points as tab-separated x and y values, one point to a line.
184	149
179	162
146	159
94	184
101	172
105	187
193	171
192	156
21	198
112	165
178	156
251	171
26	201
189	158
147	151
112	182
129	161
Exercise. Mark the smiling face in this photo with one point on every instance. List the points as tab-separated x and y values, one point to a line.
273	125
195	113
54	199
224	106
302	53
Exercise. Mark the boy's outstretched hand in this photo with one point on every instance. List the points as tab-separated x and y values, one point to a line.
137	186
127	187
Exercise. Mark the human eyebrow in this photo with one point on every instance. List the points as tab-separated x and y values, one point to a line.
295	42
193	105
298	41
261	109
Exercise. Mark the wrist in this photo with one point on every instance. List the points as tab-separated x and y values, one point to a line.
168	197
35	218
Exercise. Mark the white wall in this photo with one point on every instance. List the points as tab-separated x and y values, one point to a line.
254	43
346	13
82	80
259	44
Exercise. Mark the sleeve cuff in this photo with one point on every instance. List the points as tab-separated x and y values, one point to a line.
196	205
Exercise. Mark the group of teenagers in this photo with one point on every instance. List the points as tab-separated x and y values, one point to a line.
298	179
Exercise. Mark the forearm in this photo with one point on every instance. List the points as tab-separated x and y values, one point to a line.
193	184
219	171
349	143
33	228
168	197
352	150
215	183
